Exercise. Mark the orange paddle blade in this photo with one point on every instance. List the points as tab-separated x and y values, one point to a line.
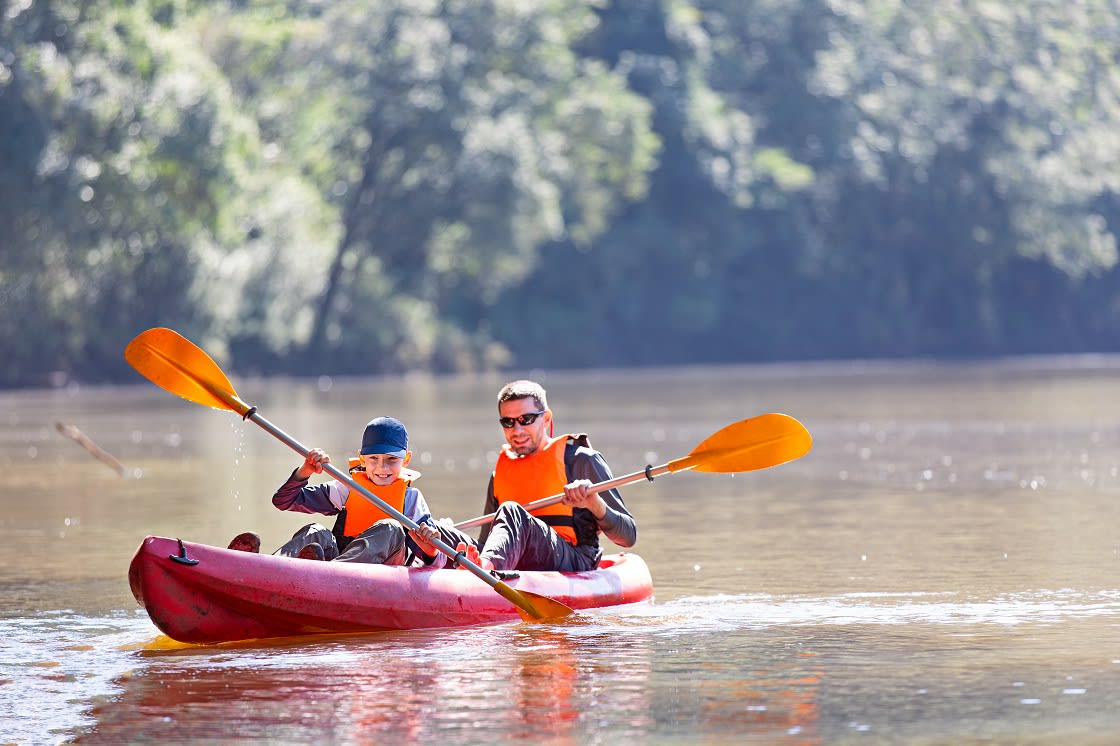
533	607
173	362
751	444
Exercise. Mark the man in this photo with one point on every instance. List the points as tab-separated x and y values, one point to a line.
533	465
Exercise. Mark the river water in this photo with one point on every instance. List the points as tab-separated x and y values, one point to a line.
941	567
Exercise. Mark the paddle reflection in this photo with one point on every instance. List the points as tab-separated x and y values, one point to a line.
778	703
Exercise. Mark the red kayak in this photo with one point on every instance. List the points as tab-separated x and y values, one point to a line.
202	594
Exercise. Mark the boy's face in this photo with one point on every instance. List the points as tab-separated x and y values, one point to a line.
384	469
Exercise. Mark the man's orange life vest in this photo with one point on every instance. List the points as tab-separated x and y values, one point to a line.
523	479
361	513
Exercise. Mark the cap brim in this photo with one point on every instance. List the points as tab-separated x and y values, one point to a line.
385	448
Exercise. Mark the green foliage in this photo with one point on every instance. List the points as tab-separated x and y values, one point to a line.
362	186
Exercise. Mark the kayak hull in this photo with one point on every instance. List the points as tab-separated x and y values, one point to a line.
197	593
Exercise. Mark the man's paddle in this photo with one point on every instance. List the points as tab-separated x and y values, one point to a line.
748	445
176	364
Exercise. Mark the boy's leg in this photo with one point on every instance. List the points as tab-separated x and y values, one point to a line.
311	533
383	543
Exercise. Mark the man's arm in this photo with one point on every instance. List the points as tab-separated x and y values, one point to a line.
617	524
488	507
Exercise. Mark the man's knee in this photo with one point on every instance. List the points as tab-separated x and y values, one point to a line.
511	512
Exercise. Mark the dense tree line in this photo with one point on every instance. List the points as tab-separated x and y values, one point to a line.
361	187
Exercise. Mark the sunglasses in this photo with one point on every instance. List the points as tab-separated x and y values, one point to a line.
524	420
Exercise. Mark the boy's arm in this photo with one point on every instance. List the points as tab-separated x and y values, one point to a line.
295	495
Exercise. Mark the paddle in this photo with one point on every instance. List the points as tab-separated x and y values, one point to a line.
748	445
176	364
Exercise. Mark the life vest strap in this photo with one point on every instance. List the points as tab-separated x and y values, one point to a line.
557	520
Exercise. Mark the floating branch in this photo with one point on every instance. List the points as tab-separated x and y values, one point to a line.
72	432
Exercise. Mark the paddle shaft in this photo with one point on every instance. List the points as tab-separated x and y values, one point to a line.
684	463
709	456
610	484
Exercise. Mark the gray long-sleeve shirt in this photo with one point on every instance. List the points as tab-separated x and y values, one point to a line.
582	461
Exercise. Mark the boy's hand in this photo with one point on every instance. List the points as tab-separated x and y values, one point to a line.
313	463
424	535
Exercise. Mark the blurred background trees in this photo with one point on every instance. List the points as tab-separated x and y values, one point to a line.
360	187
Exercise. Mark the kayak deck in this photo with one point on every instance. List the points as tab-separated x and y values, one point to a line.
204	594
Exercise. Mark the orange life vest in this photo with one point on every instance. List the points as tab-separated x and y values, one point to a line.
361	513
523	479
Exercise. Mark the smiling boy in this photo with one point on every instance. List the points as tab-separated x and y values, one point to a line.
362	531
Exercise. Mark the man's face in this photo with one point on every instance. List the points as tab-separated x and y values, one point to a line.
524	439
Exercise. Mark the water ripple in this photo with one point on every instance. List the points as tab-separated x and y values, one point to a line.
760	611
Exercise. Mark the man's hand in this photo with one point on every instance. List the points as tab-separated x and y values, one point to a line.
578	494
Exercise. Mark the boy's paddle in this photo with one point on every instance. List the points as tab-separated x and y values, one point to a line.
176	364
748	445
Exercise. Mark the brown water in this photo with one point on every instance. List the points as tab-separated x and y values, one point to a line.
942	567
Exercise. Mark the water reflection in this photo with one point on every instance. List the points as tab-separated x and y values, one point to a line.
521	682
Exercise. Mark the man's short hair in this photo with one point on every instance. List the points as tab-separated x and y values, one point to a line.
524	389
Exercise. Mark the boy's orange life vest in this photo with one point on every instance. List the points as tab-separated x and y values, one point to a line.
523	479
361	513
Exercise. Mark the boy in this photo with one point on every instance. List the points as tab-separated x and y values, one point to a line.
362	531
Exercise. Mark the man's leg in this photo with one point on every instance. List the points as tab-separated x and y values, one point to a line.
521	541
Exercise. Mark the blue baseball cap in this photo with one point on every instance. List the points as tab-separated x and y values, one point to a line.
385	435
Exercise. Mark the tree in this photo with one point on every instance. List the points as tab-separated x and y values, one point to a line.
978	133
138	189
454	139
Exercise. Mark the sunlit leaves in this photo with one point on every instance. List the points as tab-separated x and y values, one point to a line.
1029	87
